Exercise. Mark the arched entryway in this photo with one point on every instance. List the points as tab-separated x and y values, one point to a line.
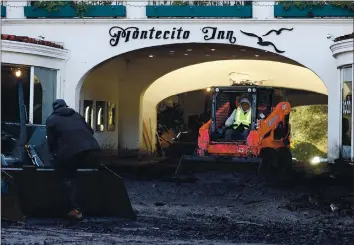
123	82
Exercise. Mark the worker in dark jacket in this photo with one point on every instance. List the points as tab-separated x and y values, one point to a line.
71	142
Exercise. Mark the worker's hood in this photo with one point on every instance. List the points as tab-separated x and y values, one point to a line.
245	100
64	112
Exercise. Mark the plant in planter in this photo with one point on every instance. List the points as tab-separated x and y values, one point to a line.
305	4
81	7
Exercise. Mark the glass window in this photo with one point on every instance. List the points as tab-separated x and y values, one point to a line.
100	115
45	84
88	112
347	88
111	124
10	111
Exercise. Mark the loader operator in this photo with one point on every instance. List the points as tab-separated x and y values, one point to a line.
71	142
239	122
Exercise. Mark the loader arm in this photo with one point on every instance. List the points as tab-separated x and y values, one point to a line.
272	121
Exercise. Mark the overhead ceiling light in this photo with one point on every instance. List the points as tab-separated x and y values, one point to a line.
18	73
257	55
212	49
151	56
185	54
171	51
189	50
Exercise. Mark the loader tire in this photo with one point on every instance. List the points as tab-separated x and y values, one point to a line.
285	161
268	165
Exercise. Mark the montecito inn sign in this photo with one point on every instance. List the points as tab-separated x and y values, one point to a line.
119	34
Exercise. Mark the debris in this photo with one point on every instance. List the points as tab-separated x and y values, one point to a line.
334	207
252	202
247	223
160	204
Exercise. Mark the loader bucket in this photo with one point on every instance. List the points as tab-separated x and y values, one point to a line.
197	164
101	193
10	204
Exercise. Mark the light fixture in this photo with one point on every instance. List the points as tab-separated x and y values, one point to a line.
207	55
208	89
172	51
186	54
151	56
189	50
257	55
18	73
317	160
212	49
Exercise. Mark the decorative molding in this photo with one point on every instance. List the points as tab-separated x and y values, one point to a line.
342	47
34	49
128	21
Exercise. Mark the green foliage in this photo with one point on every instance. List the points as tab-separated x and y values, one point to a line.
198	3
309	126
305	4
171	118
81	7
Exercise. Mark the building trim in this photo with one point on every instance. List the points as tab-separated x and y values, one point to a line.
342	47
34	49
175	21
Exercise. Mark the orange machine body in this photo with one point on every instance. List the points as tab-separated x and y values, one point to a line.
261	137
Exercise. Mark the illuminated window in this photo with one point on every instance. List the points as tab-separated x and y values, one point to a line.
100	115
88	112
111	116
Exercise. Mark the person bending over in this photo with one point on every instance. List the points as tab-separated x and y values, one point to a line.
71	142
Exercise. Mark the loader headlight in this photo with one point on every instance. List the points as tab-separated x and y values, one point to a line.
317	160
217	90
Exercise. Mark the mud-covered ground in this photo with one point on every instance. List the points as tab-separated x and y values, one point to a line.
215	208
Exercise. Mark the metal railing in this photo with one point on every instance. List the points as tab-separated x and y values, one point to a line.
201	3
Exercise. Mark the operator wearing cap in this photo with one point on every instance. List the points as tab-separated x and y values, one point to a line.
239	122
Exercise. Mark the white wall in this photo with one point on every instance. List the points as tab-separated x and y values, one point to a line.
89	43
102	84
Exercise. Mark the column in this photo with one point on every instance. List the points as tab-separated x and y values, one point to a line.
15	9
136	9
129	119
263	10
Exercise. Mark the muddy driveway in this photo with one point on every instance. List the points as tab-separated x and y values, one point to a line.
212	208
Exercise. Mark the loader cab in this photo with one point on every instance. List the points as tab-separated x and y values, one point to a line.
226	99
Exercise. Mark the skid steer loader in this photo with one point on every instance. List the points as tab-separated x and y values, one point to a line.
267	147
30	187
